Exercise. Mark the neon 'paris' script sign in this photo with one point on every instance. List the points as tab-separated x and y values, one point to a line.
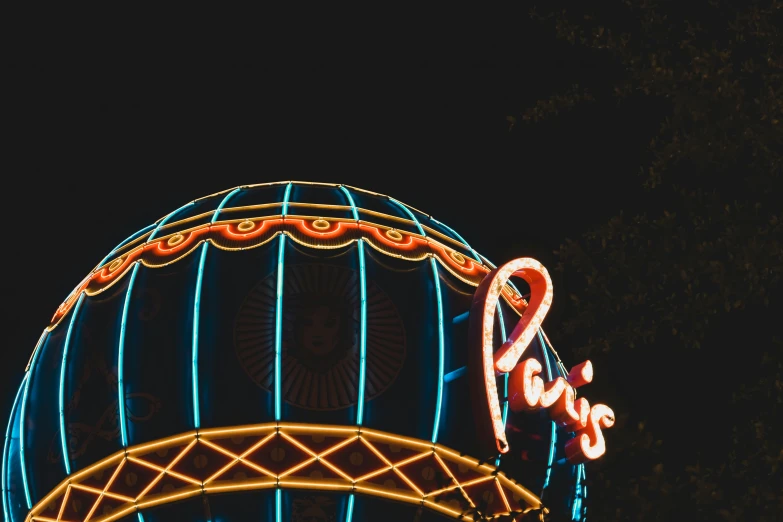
526	390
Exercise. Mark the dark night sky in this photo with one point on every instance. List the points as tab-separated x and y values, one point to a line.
91	163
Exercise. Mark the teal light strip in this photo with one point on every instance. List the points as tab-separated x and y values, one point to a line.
6	491
166	220
350	202
436	278
349	509
286	198
194	343
141	518
197	315
505	376
362	335
127	240
22	418
279	317
363	326
576	507
553	436
439	404
123	324
121	358
63	433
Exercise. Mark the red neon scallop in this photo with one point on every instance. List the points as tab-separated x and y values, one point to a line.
311	229
236	231
411	243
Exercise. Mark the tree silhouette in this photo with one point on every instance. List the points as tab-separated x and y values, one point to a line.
678	294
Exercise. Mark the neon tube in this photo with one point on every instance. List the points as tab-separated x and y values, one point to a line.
194	345
123	324
121	359
197	314
576	506
436	278
220	481
6	491
22	418
455	374
362	335
444	225
349	509
279	312
553	436
167	219
63	435
127	240
279	335
363	327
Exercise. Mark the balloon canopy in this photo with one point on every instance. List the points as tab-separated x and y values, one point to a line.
289	352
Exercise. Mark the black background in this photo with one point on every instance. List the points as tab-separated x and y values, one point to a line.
86	170
94	156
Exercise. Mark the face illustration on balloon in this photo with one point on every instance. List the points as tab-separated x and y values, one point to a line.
320	338
325	330
320	329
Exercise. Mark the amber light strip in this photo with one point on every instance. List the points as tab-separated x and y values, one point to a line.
52	506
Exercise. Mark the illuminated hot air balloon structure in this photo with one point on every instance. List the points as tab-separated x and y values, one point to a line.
298	352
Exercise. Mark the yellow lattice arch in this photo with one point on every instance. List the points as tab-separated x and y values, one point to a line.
285	455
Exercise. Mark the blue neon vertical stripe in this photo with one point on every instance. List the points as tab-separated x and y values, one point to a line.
279	336
23	417
576	507
279	333
439	299
350	202
349	509
194	346
121	358
286	198
438	405
362	335
553	436
223	204
141	517
279	314
6	491
197	315
123	324
363	317
63	434
166	220
583	510
279	322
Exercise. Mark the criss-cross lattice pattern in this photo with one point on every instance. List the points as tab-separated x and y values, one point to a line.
285	455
